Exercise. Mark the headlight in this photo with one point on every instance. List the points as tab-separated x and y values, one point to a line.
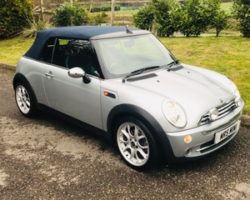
174	114
237	94
237	97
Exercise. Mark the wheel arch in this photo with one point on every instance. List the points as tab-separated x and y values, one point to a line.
21	78
159	134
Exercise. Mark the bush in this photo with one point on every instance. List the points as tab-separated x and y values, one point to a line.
99	18
167	16
14	17
144	17
68	15
242	13
35	26
232	24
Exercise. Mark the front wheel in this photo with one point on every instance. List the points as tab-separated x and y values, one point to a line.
25	100
136	144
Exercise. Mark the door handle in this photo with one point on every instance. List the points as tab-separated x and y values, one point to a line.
49	74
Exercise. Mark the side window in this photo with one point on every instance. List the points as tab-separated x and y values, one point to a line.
46	54
60	52
76	53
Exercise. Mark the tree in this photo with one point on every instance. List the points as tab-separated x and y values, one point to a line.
15	15
166	16
144	17
219	22
195	17
242	13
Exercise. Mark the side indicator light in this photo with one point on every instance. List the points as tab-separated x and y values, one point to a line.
108	94
105	93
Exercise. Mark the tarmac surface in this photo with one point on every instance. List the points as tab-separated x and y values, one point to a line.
49	158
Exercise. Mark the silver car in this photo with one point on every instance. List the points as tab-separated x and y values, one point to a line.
126	83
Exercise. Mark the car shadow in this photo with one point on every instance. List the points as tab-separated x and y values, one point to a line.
68	125
104	143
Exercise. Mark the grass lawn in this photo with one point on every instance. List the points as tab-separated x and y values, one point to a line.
227	55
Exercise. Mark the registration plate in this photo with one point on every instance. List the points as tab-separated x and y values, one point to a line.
222	135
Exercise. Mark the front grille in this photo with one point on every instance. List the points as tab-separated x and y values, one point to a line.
222	111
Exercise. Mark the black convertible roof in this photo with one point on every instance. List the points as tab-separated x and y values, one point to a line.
76	32
81	32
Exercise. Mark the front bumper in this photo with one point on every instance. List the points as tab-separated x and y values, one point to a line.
203	137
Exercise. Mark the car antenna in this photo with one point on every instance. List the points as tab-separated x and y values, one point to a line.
128	30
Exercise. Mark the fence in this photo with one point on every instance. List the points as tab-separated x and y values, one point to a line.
43	9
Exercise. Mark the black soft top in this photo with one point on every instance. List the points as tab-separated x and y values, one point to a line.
76	32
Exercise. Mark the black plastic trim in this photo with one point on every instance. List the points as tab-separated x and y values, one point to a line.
21	77
176	68
142	77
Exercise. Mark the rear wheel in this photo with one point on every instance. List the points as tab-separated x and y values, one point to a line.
136	144
25	100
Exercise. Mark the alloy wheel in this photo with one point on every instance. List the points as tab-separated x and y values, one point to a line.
133	144
23	99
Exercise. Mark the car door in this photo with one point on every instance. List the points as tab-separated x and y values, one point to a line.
69	95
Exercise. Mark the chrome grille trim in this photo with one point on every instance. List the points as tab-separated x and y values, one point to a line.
225	106
223	110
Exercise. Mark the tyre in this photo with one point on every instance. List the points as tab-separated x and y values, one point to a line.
25	100
136	144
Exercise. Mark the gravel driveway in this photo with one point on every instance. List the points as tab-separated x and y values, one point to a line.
48	158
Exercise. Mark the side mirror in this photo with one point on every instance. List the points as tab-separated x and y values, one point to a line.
78	72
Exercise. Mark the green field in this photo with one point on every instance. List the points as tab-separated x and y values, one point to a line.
227	55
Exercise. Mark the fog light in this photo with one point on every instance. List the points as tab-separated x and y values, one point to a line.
187	139
213	114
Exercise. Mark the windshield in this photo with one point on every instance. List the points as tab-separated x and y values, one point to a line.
121	56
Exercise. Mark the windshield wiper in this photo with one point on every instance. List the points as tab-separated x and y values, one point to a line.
139	71
171	64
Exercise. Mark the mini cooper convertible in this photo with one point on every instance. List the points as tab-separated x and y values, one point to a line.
126	83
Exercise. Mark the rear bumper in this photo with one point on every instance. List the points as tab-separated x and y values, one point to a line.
203	137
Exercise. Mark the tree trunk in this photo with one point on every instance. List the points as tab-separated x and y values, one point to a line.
217	33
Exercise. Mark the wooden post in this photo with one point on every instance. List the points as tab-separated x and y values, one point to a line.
91	6
41	10
112	12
